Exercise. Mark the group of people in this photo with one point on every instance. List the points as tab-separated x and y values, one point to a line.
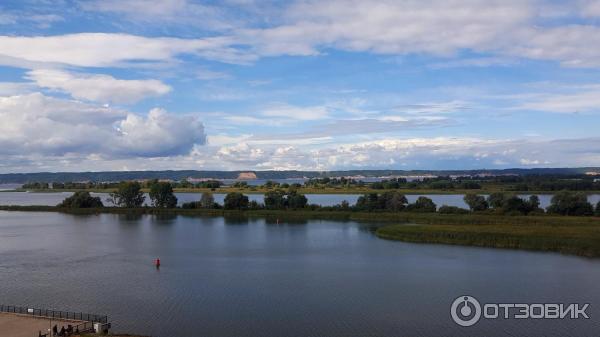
62	332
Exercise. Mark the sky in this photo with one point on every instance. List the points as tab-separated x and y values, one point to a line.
94	85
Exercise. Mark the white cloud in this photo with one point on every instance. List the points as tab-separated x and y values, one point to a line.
590	8
35	124
99	88
585	100
296	112
112	50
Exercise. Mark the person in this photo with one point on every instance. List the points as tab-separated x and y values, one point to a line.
54	330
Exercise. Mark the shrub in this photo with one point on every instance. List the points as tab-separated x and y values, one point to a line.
81	199
445	209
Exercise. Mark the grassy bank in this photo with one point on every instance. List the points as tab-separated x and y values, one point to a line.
569	237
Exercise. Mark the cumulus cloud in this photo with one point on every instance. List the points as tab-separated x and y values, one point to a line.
46	126
99	88
159	134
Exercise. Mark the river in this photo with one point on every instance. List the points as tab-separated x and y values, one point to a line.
238	277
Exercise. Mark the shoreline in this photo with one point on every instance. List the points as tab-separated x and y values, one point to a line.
573	235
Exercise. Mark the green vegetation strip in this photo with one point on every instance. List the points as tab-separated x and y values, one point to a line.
572	237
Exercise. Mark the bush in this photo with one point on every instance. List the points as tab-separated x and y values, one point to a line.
445	209
81	199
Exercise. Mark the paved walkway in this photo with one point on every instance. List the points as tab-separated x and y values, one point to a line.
15	325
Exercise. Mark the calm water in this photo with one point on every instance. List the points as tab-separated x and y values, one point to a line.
234	277
51	199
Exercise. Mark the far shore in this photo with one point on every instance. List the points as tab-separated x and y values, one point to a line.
304	190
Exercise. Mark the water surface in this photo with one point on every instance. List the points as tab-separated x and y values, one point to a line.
239	277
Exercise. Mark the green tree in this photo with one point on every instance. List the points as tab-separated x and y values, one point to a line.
534	203
368	202
496	200
423	204
570	203
598	209
235	200
296	200
394	201
161	195
129	194
81	199
476	202
274	199
207	200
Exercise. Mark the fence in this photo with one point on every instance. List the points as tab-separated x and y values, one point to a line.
78	316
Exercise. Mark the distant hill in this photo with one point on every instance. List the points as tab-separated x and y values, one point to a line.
184	174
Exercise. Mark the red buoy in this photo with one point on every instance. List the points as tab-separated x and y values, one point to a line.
157	263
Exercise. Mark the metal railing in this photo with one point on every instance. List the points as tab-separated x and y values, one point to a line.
76	316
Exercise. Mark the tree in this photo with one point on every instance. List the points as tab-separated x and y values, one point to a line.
515	204
235	200
274	199
81	199
423	204
207	200
476	202
570	203
534	203
296	200
394	201
368	202
161	195
129	194
496	200
598	209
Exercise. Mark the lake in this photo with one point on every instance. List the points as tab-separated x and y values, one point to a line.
51	199
237	277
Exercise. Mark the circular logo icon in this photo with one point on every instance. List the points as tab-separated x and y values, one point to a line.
465	310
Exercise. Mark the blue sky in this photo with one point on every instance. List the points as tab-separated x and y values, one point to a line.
309	85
